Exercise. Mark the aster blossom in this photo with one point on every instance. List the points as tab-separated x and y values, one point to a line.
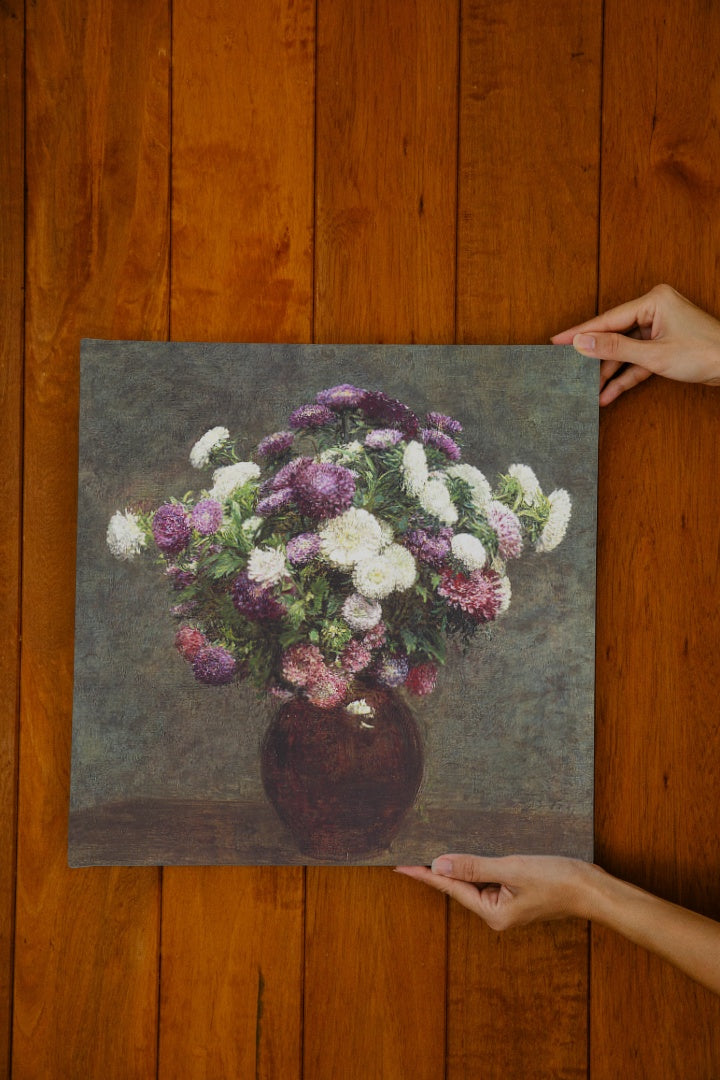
124	536
228	478
203	448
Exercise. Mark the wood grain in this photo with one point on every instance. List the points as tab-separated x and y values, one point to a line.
527	242
385	259
658	792
97	181
242	235
12	272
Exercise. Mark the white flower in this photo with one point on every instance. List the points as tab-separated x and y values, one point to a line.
414	468
360	613
229	477
375	577
344	452
252	524
435	500
528	481
480	490
349	537
200	453
403	564
468	550
360	708
125	538
505	591
557	523
266	566
386	531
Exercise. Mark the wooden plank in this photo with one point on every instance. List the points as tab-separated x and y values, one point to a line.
528	191
12	270
385	258
97	234
658	793
243	106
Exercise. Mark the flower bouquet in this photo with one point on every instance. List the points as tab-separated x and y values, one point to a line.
332	567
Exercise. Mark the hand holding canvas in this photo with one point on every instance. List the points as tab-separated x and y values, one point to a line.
660	333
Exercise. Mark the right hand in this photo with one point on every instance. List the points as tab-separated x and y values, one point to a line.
660	333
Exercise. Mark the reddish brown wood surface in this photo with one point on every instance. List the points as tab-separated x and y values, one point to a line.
243	101
658	753
97	232
12	273
363	171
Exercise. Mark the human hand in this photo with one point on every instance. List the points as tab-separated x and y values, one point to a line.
513	890
659	333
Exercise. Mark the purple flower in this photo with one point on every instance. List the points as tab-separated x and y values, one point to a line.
444	423
207	516
303	548
171	528
341	397
382	438
284	477
274	445
442	442
378	406
276	500
182	611
430	548
508	528
391	670
312	416
180	578
256	602
214	665
322	490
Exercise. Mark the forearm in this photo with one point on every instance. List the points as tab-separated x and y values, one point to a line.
685	939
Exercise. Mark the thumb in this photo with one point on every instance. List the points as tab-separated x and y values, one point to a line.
466	868
620	349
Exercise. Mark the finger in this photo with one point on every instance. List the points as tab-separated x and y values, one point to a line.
634	312
621	349
462	891
608	368
628	378
475	868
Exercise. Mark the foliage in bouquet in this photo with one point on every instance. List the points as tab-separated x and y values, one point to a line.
344	554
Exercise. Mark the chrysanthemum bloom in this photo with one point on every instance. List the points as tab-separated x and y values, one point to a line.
312	416
276	500
375	637
255	601
468	550
376	577
351	536
361	708
361	614
435	500
327	690
303	548
283	478
171	528
391	670
214	665
508	528
430	548
414	468
378	406
230	477
528	481
189	641
203	448
355	657
124	537
251	525
444	423
480	490
273	445
301	663
180	578
340	397
557	523
321	490
441	442
403	566
421	679
505	592
478	595
266	566
382	438
207	516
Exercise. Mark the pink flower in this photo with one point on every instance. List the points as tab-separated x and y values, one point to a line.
301	663
355	657
189	641
327	690
479	595
421	679
375	638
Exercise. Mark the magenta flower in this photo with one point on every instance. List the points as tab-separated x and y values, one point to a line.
322	490
375	637
274	445
301	663
341	397
430	548
207	516
189	641
508	528
256	602
421	679
382	438
180	578
303	548
312	416
444	423
273	502
378	406
355	657
327	690
214	665
442	442
171	528
479	595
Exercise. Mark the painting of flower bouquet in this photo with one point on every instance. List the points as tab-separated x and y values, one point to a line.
333	571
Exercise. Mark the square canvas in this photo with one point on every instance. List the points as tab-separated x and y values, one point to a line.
335	604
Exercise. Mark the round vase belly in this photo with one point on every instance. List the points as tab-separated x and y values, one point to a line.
343	782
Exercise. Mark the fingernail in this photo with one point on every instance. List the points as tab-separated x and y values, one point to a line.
584	341
442	866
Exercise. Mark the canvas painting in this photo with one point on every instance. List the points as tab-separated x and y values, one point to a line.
335	604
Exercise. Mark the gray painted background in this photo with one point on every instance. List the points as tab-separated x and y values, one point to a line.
165	770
